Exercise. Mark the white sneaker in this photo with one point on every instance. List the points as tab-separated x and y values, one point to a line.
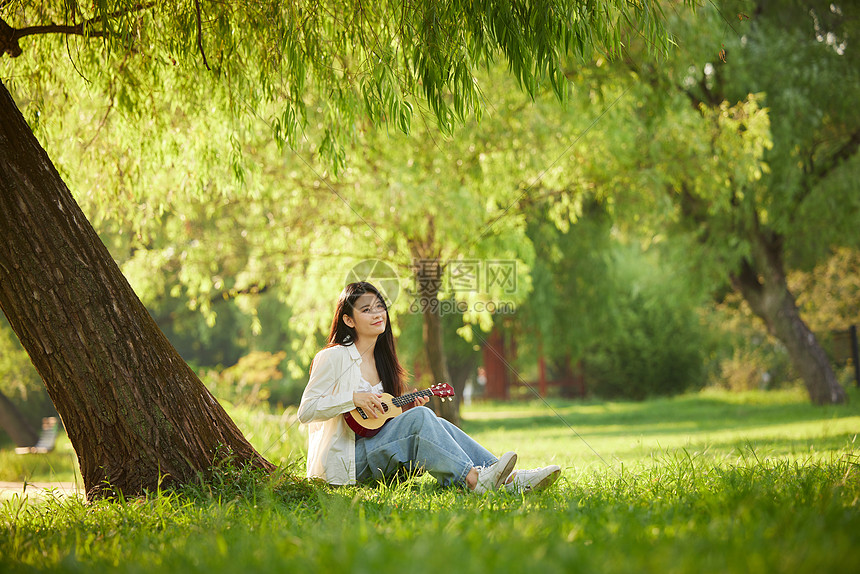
491	477
534	479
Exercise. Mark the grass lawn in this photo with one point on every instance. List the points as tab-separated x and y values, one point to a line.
709	482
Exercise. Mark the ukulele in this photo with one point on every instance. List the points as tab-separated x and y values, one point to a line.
365	426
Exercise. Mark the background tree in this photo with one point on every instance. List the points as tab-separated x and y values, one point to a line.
755	149
135	413
620	307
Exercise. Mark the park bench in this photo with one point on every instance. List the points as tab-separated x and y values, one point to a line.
47	438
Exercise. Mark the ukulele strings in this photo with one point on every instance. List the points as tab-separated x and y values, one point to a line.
409	397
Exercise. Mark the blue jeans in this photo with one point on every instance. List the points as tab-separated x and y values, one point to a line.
418	439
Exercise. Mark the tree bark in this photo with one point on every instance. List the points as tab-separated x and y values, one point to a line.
763	284
136	414
428	274
14	423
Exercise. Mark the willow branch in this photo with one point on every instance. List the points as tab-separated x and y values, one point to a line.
200	35
10	36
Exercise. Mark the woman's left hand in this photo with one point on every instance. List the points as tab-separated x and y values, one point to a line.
420	401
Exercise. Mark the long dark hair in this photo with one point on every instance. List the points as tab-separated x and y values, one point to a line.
390	370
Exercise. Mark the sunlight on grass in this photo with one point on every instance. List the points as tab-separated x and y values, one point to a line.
611	435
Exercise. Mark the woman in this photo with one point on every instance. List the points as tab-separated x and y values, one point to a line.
359	363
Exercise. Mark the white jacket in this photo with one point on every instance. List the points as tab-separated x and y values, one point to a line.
335	376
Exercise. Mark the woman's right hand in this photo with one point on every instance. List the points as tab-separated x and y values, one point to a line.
369	403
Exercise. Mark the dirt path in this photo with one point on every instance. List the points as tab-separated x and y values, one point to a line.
40	490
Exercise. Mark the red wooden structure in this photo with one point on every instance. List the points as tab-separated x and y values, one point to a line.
495	366
500	349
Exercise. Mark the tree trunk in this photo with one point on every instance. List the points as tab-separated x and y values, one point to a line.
461	370
496	357
14	423
136	414
428	275
763	285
